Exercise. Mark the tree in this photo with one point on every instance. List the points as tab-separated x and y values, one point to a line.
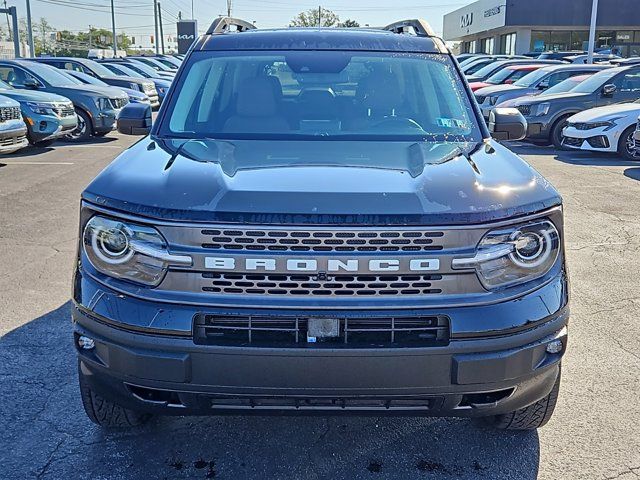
348	23
310	18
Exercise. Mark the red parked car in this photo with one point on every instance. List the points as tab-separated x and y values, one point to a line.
508	74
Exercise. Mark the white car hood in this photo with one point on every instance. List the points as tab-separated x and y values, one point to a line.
604	113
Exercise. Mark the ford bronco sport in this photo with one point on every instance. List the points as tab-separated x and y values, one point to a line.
320	221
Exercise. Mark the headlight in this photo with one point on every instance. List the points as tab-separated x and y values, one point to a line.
134	86
41	108
608	124
540	109
513	255
128	251
103	103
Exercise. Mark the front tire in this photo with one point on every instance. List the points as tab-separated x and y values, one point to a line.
529	418
84	130
556	131
106	413
626	145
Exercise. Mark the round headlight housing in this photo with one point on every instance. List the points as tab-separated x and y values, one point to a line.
127	251
514	255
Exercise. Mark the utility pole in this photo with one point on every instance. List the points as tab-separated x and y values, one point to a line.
8	25
161	30
592	30
113	30
319	16
155	19
192	16
229	8
32	49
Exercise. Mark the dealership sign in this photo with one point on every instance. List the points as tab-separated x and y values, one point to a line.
475	18
187	34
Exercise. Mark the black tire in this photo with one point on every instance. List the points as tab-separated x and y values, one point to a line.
84	130
626	145
106	413
556	131
531	417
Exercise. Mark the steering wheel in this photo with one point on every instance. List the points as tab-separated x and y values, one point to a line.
398	123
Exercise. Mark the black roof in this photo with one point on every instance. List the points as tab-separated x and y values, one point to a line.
321	39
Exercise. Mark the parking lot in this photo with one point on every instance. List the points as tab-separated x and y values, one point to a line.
45	434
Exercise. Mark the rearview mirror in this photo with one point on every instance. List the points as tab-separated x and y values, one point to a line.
543	85
135	119
507	124
608	90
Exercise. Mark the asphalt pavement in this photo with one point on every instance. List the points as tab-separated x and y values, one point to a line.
44	434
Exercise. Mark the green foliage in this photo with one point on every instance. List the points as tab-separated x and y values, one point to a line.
348	23
313	17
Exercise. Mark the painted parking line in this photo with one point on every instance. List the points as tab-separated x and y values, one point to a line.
35	163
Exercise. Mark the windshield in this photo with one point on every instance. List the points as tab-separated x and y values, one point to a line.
153	64
475	65
488	70
84	78
595	82
505	74
565	85
99	69
52	76
532	78
142	69
123	70
323	95
5	86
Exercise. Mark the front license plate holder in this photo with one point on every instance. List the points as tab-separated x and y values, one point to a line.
319	329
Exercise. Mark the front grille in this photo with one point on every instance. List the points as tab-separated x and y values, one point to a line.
524	109
148	88
573	142
118	103
322	241
10	113
7	142
310	285
272	330
64	110
599	141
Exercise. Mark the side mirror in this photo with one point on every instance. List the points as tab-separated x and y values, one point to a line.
31	84
543	85
507	124
608	90
135	119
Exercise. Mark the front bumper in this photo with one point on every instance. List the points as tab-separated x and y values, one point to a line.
13	136
537	129
105	121
491	373
594	140
48	127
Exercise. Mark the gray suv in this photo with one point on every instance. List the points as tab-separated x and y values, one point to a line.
547	114
319	221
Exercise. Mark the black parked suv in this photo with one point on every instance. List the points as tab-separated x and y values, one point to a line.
320	221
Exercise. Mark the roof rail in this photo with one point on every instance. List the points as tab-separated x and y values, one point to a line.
223	24
415	27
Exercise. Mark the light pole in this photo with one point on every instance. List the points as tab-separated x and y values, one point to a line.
113	30
155	19
592	30
32	50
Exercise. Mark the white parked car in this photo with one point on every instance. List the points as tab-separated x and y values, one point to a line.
604	129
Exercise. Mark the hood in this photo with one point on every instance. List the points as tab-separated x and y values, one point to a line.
7	102
32	96
122	79
604	113
477	85
531	99
91	90
273	182
161	82
497	89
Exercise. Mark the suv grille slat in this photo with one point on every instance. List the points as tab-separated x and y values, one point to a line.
321	241
524	109
336	285
62	110
118	103
291	331
10	113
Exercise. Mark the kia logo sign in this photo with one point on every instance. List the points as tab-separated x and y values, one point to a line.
466	20
187	33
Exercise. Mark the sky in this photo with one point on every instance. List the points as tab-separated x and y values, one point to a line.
135	17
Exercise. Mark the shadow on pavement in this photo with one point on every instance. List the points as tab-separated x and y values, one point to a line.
633	173
47	436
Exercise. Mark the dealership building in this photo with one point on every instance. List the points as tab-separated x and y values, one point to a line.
521	26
